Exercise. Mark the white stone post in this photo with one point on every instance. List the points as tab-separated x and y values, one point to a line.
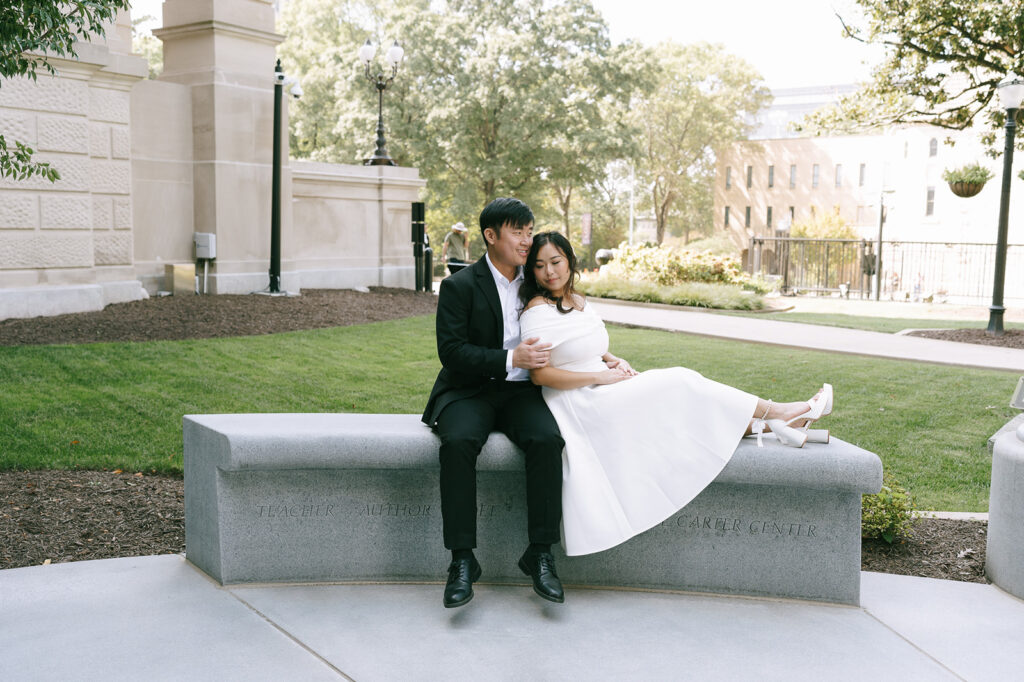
1004	558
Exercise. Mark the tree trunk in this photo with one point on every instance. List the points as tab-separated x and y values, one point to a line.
564	201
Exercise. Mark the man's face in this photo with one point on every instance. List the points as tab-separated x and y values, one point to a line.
511	246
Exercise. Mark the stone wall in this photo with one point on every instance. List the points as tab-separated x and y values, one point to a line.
351	225
78	230
145	164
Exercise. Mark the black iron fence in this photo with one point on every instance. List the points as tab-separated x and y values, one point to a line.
915	271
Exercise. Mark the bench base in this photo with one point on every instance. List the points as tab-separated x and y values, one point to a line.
378	523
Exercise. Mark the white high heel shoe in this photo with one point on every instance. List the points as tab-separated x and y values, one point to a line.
787	435
815	435
817	407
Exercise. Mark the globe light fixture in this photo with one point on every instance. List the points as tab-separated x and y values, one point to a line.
1011	93
393	56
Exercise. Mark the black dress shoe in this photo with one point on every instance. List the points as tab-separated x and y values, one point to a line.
462	573
541	567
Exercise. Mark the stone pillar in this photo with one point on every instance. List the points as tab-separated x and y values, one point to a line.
1004	557
67	246
224	50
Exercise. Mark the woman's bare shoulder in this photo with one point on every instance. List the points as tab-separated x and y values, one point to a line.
534	302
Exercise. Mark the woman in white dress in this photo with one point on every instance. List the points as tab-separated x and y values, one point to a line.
638	445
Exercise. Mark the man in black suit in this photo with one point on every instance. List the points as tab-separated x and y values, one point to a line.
484	385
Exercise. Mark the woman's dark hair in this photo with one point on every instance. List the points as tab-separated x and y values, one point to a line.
531	289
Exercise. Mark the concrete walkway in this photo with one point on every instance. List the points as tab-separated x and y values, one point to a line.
159	618
817	337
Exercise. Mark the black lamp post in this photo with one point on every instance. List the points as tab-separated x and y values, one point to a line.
1011	93
280	80
394	57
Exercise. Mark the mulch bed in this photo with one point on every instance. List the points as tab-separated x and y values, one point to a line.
1011	338
173	318
60	516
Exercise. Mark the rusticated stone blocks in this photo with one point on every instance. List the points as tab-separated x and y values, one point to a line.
354	497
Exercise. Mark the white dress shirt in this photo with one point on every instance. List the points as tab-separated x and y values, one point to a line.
508	294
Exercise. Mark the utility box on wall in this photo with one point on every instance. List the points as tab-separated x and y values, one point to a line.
206	245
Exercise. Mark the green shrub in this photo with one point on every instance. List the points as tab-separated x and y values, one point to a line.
671	267
695	294
889	514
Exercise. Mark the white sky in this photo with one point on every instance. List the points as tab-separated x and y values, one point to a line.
793	43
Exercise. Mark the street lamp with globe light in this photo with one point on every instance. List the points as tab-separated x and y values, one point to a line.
1011	93
394	58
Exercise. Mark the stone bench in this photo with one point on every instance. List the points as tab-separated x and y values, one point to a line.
354	497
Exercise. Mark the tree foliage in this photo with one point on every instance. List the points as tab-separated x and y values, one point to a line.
516	97
520	97
943	61
824	225
704	99
148	46
30	32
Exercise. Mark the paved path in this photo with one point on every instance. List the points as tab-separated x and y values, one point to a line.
159	618
818	337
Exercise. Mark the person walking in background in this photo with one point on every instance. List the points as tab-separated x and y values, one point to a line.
455	251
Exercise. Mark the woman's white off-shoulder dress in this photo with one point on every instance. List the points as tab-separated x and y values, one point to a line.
636	451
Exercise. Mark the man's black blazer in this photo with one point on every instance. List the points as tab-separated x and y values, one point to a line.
470	332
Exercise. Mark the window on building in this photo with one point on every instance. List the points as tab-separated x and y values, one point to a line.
929	204
728	178
815	175
727	216
863	174
792	176
792	214
768	218
933	147
746	221
771	176
814	210
750	177
839	175
862	213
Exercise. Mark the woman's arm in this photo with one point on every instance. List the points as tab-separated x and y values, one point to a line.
564	379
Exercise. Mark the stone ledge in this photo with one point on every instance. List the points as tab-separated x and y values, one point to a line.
401	441
21	302
346	497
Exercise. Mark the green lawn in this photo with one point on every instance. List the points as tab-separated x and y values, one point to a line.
120	405
889	325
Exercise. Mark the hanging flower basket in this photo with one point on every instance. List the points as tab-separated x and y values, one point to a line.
968	180
966	189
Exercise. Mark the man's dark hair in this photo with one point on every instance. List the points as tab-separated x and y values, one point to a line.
505	211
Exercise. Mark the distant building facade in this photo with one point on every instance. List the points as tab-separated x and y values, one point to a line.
765	184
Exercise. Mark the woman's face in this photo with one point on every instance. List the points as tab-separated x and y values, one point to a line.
551	269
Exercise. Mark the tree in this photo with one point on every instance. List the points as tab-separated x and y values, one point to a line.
943	61
30	32
704	99
494	97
